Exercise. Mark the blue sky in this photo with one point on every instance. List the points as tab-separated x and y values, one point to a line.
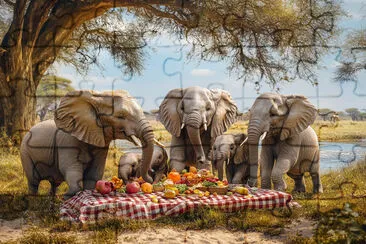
167	68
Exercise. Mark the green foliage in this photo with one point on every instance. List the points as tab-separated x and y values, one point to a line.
53	86
340	225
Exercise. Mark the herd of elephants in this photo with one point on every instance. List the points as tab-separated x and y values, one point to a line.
73	147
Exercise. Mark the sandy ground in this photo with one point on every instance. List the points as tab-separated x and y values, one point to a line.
14	229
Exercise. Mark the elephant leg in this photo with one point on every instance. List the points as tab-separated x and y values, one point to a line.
53	189
72	170
281	167
229	173
317	185
239	174
95	171
266	165
177	154
30	172
32	188
299	182
74	179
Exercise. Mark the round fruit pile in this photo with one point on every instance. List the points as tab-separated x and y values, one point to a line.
200	182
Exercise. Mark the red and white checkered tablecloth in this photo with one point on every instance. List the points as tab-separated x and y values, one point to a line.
91	206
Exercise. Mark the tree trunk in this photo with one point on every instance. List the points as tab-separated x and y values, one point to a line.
18	103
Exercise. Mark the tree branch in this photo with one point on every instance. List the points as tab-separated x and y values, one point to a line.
67	16
36	15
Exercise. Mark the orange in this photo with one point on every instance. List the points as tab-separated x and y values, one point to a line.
146	188
174	176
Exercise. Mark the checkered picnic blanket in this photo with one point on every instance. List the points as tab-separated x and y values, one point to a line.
91	206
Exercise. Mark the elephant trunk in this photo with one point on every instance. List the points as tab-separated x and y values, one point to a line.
254	133
146	135
124	173
195	138
220	168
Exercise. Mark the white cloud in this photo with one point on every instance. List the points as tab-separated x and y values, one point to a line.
202	72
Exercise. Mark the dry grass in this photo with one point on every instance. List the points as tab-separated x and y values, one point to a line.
43	211
346	130
342	131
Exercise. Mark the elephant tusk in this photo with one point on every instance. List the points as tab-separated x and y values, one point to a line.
159	143
182	126
205	126
135	141
241	144
263	136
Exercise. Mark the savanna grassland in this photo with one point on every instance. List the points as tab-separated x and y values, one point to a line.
342	131
337	215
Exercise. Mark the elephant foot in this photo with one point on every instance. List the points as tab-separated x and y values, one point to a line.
252	182
318	189
279	185
89	184
33	189
177	165
299	189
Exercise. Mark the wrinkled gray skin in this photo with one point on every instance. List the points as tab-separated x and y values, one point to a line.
227	149
130	163
195	116
74	146
291	145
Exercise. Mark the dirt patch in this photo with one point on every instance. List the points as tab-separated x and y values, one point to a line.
11	230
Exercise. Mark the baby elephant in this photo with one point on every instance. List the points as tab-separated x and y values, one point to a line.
228	148
130	163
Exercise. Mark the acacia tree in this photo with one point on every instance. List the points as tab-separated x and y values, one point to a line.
355	57
270	39
353	112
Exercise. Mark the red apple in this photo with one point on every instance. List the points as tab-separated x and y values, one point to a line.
104	187
132	187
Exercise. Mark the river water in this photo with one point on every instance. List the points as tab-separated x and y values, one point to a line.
333	155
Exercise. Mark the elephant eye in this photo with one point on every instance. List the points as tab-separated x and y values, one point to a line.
214	148
231	146
208	108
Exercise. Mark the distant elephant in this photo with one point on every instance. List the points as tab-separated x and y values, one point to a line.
334	118
130	163
228	148
289	144
74	146
195	116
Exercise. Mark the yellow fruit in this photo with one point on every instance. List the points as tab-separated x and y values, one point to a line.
207	193
169	193
242	190
192	169
158	187
172	187
146	188
154	199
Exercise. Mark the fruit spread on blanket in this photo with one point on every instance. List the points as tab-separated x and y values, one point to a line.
199	182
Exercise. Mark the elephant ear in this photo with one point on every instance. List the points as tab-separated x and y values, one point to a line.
225	114
240	153
168	114
77	115
301	114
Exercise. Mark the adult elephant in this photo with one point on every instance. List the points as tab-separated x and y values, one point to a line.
195	116
74	146
289	146
232	149
130	163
